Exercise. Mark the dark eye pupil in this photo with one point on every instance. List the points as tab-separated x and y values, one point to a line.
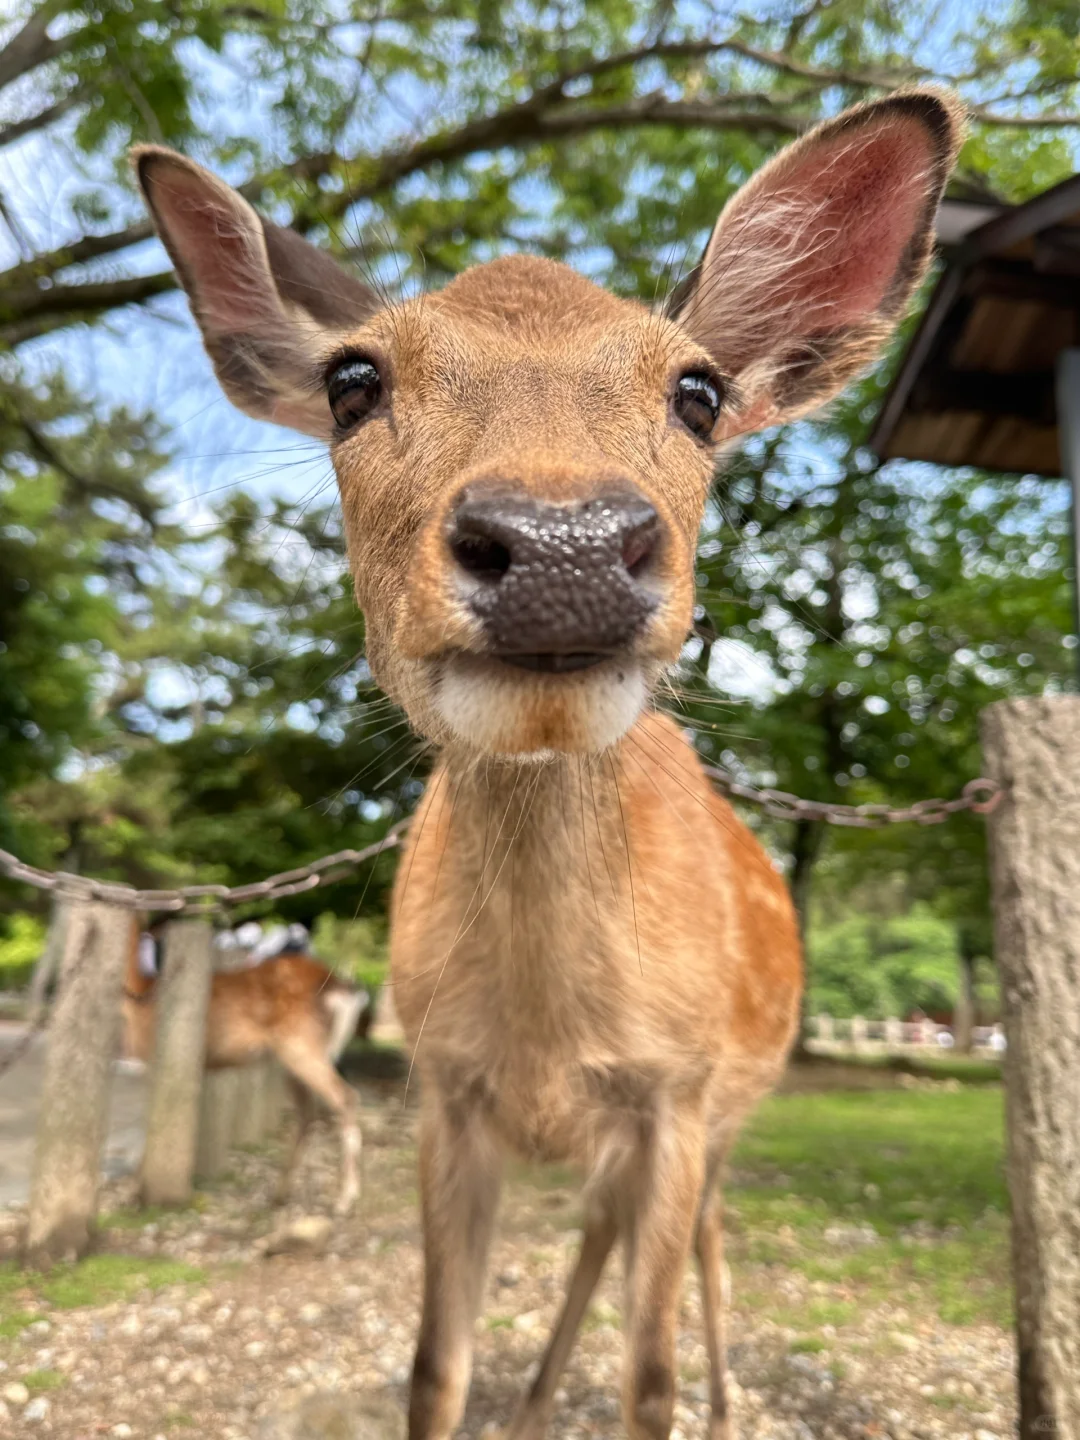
353	389
698	399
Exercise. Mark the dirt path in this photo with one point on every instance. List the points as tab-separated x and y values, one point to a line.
221	1354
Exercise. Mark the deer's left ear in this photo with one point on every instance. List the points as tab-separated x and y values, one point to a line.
267	303
813	261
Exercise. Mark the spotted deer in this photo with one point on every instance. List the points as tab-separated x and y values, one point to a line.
593	959
291	1007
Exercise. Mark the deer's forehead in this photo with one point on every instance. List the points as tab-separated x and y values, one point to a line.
479	358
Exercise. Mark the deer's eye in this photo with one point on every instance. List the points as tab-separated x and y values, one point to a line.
353	388
698	398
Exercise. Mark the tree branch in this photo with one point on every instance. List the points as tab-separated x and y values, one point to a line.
18	128
42	448
30	47
860	79
1025	122
23	305
40	311
397	164
524	124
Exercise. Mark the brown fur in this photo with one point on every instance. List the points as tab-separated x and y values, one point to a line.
281	1008
593	959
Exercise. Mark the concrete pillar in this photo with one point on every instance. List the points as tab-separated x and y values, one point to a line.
249	1117
181	998
1032	748
82	1040
217	1121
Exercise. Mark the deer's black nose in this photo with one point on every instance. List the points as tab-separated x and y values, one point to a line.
558	587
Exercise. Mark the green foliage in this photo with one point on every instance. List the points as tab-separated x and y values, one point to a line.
356	948
873	967
20	948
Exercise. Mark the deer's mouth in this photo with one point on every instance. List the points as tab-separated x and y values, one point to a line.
553	662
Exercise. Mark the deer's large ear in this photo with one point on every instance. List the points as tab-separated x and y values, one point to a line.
266	300
813	261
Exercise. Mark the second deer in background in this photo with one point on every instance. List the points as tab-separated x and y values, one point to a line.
291	1007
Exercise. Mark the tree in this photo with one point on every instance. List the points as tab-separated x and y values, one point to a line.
79	533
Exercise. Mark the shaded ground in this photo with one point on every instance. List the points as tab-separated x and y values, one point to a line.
866	1235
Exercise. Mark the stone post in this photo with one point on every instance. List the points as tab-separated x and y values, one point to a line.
82	1042
217	1120
172	1120
249	1116
1032	748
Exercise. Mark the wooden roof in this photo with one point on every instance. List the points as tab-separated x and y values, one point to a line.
976	385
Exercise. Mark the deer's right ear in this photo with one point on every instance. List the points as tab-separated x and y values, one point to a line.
265	299
813	262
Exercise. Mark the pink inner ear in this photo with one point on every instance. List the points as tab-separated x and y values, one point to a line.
219	246
864	195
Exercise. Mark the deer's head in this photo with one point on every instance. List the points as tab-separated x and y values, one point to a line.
524	459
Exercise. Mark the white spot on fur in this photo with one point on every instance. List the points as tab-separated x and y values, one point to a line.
500	712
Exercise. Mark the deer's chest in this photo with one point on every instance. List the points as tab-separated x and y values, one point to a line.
525	1014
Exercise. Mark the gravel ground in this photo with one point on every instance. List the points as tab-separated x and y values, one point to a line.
239	1353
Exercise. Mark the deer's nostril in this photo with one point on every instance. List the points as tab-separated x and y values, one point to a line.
639	542
480	556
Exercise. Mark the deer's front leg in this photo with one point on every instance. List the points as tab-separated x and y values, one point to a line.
659	1235
459	1189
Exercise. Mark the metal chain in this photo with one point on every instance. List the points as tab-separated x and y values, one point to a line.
290	882
980	796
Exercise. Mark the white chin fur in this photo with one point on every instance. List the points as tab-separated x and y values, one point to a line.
522	713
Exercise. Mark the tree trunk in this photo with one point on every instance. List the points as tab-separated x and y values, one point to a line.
1032	747
75	1090
964	1013
805	848
172	1120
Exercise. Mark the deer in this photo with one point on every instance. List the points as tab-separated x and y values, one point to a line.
290	1006
593	959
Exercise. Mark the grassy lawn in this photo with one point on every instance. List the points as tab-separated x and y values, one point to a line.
813	1173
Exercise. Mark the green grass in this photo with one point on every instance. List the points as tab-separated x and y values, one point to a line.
14	1322
39	1381
923	1168
98	1280
807	1345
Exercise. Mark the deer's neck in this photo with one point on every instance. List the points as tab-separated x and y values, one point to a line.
548	835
